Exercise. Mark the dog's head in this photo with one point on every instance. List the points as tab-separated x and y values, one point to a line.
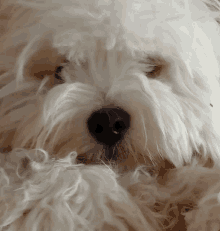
120	81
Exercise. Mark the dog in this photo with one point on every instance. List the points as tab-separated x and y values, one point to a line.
130	83
120	83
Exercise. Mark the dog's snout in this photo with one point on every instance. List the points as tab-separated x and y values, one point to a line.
108	125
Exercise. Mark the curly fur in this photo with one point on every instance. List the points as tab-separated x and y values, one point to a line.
79	197
158	61
159	74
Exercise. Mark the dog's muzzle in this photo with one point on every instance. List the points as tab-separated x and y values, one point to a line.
108	125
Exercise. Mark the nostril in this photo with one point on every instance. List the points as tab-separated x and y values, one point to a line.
108	125
118	127
99	129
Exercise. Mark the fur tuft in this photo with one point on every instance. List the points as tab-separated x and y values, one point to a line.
40	193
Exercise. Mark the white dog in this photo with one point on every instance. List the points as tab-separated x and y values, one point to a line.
136	81
119	82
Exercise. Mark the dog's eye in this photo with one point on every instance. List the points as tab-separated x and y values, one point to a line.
57	74
154	71
153	66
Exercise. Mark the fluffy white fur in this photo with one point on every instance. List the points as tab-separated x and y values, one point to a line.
71	197
158	60
48	194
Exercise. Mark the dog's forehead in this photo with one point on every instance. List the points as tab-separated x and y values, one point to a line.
157	9
142	17
171	28
131	20
152	8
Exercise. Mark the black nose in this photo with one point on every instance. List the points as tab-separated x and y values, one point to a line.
108	125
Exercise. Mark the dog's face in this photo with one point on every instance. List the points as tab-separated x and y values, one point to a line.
129	82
